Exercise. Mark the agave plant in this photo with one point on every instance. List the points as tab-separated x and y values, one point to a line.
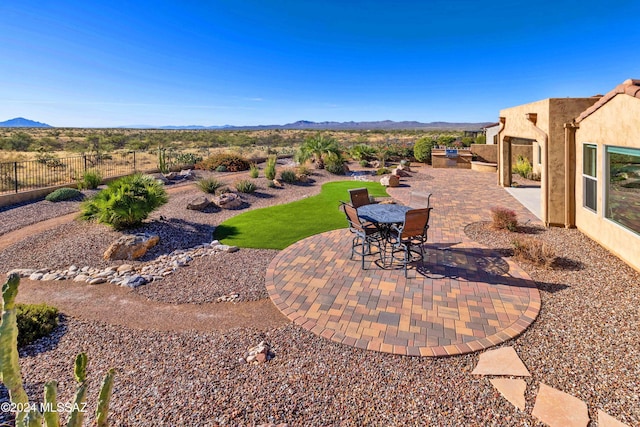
126	202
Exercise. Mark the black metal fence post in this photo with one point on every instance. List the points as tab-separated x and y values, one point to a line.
15	175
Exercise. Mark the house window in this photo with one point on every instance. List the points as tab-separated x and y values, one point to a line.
539	154
589	177
623	187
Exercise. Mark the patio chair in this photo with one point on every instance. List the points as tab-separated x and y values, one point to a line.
410	234
365	234
359	197
419	199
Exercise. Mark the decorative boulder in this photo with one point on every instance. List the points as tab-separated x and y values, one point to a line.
131	246
160	177
277	183
186	174
198	204
399	172
228	201
390	181
171	175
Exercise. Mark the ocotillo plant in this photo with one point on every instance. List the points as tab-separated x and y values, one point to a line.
29	415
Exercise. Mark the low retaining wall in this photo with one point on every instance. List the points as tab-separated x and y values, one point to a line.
484	166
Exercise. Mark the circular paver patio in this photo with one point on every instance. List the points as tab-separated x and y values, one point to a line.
462	298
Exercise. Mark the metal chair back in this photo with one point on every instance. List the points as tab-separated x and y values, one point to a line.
416	222
352	217
419	199
359	197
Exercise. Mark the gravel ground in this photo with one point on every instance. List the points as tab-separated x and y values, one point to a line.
19	216
195	379
586	342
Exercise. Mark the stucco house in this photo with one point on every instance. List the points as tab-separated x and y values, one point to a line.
587	151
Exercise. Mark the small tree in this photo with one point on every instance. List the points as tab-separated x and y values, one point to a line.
318	148
422	149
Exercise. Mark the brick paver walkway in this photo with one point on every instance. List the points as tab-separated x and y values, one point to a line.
462	298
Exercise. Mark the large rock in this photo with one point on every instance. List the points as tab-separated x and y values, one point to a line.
228	201
131	246
390	181
186	174
160	177
198	204
399	172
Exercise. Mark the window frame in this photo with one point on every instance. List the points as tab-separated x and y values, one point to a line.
606	189
586	177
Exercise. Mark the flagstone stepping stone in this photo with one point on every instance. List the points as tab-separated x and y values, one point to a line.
559	409
502	361
606	420
512	390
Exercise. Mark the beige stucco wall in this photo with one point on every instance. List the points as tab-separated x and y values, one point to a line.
616	123
485	152
552	114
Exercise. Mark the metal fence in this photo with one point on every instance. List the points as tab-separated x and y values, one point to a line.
17	177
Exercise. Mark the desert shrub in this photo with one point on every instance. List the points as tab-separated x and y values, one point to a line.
126	202
334	164
362	152
504	218
533	250
63	194
481	139
221	168
523	167
383	171
270	168
90	180
289	176
254	172
364	163
35	321
232	163
422	149
406	163
187	159
245	186
271	184
209	185
304	170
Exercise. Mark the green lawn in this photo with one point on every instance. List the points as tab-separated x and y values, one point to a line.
279	226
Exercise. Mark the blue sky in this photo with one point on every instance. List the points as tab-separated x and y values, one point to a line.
113	63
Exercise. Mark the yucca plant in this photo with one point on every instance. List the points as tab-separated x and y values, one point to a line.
270	168
126	202
209	185
245	186
254	172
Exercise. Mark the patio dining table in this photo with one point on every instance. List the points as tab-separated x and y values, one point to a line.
383	216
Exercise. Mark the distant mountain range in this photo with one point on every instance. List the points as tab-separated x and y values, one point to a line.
308	125
301	124
20	122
